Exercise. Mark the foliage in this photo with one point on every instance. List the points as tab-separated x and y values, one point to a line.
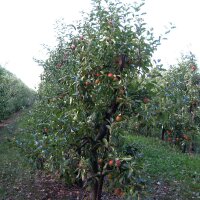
93	81
14	94
173	111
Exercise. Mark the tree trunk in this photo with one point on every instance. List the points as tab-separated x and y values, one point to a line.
94	191
163	133
100	187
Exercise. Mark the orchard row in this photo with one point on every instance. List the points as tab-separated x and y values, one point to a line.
14	95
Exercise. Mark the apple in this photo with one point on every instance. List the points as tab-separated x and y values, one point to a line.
110	75
185	137
100	161
121	91
118	118
97	81
87	83
111	163
73	47
193	68
116	78
118	163
169	132
169	139
146	100
46	130
118	192
97	74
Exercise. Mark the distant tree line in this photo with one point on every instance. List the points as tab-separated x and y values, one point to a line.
14	94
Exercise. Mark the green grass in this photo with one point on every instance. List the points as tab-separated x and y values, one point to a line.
169	174
15	173
165	165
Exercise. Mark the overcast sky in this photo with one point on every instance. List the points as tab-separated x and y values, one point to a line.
26	24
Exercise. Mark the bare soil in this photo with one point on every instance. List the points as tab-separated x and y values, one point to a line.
10	120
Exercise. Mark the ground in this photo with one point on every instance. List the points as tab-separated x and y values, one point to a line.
169	175
18	181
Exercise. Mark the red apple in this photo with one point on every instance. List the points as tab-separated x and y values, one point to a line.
97	74
111	163
73	47
193	68
87	83
110	75
169	132
169	139
146	100
118	163
118	192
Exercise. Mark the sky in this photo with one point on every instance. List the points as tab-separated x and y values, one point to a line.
27	24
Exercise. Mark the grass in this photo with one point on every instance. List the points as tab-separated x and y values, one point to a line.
15	173
166	168
169	173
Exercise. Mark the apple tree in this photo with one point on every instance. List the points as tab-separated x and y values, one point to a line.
181	102
173	113
91	84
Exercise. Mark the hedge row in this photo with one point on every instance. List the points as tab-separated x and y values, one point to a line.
14	94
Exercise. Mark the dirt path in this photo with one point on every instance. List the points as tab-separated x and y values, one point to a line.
10	120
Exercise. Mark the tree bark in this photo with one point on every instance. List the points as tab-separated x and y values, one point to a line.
100	187
94	191
163	133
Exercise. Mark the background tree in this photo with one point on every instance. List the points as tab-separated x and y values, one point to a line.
14	94
173	113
